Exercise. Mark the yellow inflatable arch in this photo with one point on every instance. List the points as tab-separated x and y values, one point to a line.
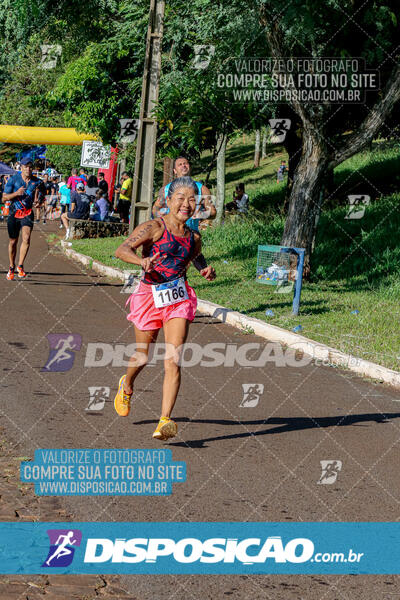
16	134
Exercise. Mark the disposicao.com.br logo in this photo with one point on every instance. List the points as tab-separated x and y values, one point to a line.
200	547
248	551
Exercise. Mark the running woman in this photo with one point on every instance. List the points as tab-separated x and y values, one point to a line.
22	189
163	300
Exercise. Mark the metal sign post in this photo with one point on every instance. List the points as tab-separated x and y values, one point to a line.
142	193
276	268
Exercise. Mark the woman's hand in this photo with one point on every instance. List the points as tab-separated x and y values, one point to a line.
208	273
148	263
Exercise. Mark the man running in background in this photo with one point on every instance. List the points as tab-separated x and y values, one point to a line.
22	189
182	168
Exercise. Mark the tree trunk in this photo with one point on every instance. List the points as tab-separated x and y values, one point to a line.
168	173
293	146
222	140
257	149
211	163
305	201
264	144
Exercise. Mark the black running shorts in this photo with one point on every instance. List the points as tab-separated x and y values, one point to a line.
14	225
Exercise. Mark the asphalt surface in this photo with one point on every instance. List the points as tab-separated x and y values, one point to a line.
259	463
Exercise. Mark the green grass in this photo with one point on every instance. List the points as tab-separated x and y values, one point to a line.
102	249
356	263
326	304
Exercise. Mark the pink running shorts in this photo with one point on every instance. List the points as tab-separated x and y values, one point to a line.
147	317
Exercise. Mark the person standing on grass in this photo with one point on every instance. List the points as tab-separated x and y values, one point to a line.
164	299
22	190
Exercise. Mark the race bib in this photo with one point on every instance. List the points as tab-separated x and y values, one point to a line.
170	292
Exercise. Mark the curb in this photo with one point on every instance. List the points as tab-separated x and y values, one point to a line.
87	261
319	352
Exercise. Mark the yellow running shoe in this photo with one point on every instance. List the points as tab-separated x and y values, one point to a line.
166	428
122	401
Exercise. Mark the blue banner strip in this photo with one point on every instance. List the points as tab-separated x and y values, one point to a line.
209	548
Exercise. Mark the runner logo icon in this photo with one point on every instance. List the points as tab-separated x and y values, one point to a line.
251	394
62	351
279	129
330	470
202	56
356	206
50	55
128	130
62	542
98	397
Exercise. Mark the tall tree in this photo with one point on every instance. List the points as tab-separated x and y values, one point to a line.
342	28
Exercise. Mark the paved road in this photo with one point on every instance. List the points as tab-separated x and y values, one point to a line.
259	463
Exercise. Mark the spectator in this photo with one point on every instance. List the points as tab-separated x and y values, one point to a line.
103	185
45	188
125	197
53	199
92	187
281	172
1	186
117	192
83	175
240	200
80	207
102	207
74	179
182	168
65	197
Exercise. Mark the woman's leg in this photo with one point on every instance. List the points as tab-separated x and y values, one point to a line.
175	332
139	360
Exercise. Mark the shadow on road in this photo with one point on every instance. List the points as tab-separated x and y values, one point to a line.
286	424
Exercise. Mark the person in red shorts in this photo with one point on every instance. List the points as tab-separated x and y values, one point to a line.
164	299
